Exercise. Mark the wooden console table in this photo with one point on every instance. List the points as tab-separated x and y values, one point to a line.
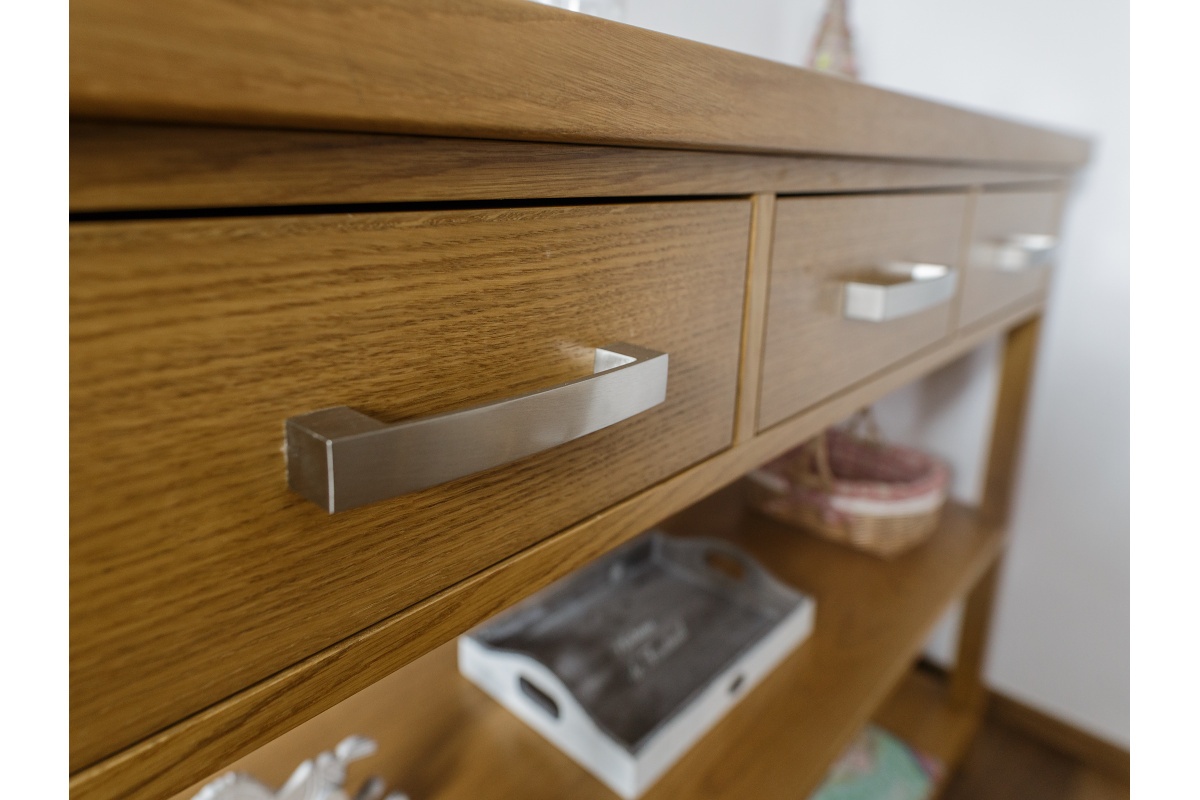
414	208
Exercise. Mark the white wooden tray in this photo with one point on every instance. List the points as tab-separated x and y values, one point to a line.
628	662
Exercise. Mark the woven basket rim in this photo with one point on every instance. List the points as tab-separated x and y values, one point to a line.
934	479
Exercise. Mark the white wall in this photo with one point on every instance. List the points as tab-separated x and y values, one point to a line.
1061	640
1062	627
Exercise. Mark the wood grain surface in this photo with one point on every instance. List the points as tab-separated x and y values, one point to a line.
498	69
758	278
1008	760
195	572
968	689
186	752
442	738
211	609
1106	758
997	215
921	713
811	351
117	167
1018	366
443	704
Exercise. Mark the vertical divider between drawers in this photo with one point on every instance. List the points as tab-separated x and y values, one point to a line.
754	316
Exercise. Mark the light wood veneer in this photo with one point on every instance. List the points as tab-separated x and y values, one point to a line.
194	747
196	572
119	167
443	738
213	611
500	69
1000	214
811	350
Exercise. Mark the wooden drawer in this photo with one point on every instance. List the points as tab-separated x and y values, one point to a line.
195	572
811	349
1001	272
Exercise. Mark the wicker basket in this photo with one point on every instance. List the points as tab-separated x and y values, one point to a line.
855	489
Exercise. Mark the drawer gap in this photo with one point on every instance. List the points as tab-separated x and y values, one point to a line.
375	208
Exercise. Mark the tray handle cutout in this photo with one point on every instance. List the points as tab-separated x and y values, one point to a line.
539	697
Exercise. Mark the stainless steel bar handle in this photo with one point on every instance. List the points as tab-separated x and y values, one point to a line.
341	459
898	290
1025	251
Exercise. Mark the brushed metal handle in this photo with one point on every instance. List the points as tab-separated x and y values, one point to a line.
898	290
340	458
1025	251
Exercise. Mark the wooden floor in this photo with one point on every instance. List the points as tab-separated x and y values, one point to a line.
1005	764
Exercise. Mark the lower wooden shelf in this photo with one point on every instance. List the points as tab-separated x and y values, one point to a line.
440	737
920	713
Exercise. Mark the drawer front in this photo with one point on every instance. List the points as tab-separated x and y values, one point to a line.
1010	257
812	349
195	572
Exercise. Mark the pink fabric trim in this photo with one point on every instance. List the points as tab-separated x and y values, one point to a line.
861	469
